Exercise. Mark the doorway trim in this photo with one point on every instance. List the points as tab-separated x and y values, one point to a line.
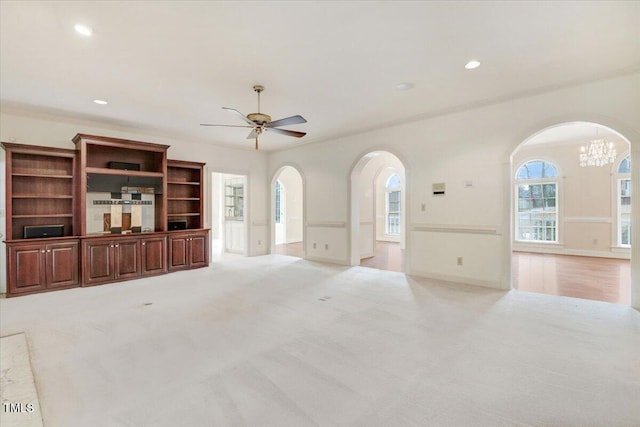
353	225
272	206
625	132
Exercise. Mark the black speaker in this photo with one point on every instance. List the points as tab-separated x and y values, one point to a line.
124	166
40	231
178	224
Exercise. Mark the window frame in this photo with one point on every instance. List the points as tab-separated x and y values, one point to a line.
619	177
388	190
555	180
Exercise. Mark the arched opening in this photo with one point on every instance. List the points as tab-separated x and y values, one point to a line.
287	212
378	212
571	213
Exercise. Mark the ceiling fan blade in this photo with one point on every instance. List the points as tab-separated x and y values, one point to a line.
293	120
286	132
229	126
253	134
242	116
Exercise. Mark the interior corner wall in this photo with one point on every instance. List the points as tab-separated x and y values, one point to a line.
470	151
57	131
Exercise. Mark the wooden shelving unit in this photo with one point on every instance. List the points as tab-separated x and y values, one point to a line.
185	192
40	188
97	155
49	186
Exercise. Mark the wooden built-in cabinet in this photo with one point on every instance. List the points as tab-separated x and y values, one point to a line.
123	258
154	255
40	188
48	186
188	250
36	266
184	193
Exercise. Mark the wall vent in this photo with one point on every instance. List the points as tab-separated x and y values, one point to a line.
438	188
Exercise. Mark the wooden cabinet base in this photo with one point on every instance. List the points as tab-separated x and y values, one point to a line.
42	265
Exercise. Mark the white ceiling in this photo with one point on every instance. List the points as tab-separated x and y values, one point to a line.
165	67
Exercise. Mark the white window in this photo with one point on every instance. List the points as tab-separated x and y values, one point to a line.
278	211
536	202
393	205
624	202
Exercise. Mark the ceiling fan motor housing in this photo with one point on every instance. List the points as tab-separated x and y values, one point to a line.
259	118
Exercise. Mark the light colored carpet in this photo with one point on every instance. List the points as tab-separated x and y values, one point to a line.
18	395
281	341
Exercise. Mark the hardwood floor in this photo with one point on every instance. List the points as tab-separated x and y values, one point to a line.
291	249
388	256
600	279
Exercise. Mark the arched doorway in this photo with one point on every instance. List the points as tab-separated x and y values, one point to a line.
287	212
378	211
570	213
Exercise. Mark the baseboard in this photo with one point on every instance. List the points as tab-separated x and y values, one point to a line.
575	252
460	279
326	260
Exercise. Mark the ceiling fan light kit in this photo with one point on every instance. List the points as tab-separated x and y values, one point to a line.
260	122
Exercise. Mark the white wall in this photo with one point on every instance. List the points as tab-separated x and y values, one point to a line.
587	218
473	145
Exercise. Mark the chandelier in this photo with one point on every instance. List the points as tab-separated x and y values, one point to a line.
597	152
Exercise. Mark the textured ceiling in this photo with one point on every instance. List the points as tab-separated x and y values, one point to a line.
166	67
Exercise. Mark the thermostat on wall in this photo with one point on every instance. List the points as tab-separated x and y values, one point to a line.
438	188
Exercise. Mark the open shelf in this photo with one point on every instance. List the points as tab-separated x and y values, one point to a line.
121	172
40	188
183	183
44	216
42	196
184	192
43	175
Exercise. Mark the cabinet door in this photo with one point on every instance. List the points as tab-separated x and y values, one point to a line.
62	264
199	250
127	259
178	252
99	265
154	256
26	268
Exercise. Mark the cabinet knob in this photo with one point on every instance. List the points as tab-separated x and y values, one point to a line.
42	251
48	250
111	246
117	246
143	243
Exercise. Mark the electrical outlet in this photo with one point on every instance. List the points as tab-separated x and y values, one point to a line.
595	241
259	242
423	207
326	246
459	260
315	246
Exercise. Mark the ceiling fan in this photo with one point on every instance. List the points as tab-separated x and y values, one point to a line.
259	122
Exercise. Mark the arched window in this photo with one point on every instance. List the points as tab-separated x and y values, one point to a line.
624	202
536	202
393	205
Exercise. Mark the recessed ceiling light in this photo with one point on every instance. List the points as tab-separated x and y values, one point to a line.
472	64
100	101
83	29
404	86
